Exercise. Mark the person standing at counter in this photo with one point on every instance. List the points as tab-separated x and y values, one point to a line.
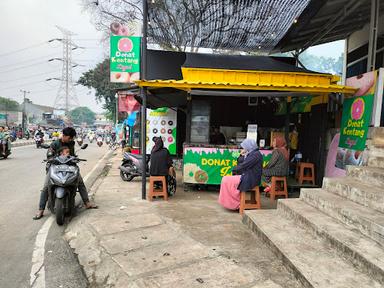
278	165
217	138
248	170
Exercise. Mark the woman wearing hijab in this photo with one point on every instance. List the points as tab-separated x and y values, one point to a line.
248	175
278	165
161	163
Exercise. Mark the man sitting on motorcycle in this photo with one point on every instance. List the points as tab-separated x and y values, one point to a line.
55	149
39	133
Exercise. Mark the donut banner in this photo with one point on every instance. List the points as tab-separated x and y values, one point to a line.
162	123
208	165
355	121
124	58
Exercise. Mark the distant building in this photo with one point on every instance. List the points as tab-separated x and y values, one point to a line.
10	118
101	121
37	114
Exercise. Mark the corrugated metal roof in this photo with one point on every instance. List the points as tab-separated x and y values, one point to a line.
310	88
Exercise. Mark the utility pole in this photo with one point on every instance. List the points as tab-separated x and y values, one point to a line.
6	112
66	98
143	92
23	121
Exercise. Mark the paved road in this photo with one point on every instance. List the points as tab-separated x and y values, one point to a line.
21	178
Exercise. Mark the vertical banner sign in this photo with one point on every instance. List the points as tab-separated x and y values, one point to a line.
124	59
356	118
355	122
162	123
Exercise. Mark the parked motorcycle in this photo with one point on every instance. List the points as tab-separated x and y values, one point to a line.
108	140
131	166
99	141
63	181
39	140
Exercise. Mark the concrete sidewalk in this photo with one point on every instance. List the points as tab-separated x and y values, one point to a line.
189	241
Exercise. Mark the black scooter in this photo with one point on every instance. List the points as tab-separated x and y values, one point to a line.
63	182
131	166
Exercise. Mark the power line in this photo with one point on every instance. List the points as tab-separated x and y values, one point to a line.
22	67
29	76
43	91
29	60
23	49
85	39
23	84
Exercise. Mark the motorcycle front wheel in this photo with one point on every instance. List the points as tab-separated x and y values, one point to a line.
125	176
59	211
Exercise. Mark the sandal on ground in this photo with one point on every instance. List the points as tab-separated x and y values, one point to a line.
38	216
90	206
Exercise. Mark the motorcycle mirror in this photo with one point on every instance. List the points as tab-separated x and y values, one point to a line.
84	146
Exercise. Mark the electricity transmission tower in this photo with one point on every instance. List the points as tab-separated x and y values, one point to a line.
66	98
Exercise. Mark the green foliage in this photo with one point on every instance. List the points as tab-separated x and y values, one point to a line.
8	104
99	79
82	114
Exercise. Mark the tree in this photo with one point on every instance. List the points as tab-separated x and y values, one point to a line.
81	115
185	24
99	79
9	105
322	64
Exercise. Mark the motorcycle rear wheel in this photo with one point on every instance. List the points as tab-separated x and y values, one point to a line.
59	211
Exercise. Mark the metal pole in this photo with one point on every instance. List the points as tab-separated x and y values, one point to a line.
24	116
143	92
373	27
66	74
6	112
117	109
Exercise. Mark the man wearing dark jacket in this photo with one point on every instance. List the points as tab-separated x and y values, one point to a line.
66	141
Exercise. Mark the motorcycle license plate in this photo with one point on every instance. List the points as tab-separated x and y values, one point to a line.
64	168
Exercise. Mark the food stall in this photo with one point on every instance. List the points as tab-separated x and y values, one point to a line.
232	93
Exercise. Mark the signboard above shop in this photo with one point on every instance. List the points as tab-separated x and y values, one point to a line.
124	55
125	59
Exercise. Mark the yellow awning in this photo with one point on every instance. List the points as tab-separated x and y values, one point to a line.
202	78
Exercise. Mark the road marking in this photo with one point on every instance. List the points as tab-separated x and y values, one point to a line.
37	276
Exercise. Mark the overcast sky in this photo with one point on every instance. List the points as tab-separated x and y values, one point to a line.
26	23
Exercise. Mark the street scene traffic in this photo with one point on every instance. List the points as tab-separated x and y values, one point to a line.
192	143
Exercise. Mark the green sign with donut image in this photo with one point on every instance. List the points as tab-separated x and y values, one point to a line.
355	121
